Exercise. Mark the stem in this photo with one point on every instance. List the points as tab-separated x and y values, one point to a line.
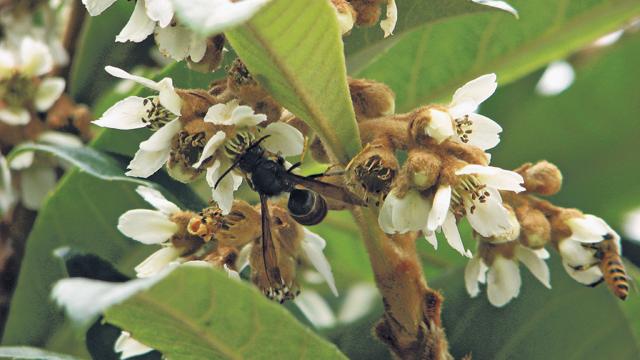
71	34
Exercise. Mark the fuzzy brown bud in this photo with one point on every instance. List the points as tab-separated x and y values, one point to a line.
535	228
559	227
346	15
374	168
246	88
368	11
371	99
212	57
422	168
542	178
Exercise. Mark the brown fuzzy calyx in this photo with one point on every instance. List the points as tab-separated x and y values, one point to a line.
542	178
371	99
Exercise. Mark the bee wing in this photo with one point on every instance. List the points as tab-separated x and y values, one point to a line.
328	190
269	256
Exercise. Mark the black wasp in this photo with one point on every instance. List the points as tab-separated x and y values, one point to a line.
269	176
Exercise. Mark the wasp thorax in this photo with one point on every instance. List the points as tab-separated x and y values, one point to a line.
535	228
371	99
155	115
543	178
374	169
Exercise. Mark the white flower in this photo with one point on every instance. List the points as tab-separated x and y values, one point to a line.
458	121
503	275
476	194
152	227
315	309
209	17
129	347
160	113
401	215
578	257
21	71
281	139
389	24
312	247
37	175
179	42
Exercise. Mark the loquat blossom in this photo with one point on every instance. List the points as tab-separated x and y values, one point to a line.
458	120
502	273
23	87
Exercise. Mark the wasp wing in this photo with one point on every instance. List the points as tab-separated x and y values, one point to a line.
332	191
269	257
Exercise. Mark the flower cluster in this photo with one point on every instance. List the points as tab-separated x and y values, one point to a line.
34	109
446	178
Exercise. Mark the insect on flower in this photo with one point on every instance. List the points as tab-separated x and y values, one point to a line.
267	175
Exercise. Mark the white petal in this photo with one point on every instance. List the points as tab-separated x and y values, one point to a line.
411	212
197	47
431	238
168	96
7	63
129	347
450	230
244	116
48	92
502	5
440	127
126	114
312	245
35	184
138	27
209	17
470	95
234	275
219	114
632	224
59	139
485	132
537	266
157	262
160	11
589	276
358	302
588	229
503	281
157	200
315	309
161	139
84	299
211	147
35	58
345	20
576	255
147	226
173	41
542	253
490	218
15	116
389	24
243	257
223	193
119	73
471	274
23	160
557	78
7	193
283	139
146	163
96	7
441	203
385	216
494	177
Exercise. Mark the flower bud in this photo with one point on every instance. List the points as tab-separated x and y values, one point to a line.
431	122
346	15
543	178
371	99
509	234
422	168
535	228
374	168
246	88
212	57
368	11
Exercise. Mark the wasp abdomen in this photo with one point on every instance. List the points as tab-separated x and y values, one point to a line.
615	275
307	207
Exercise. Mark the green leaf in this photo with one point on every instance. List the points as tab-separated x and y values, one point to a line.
432	62
86	159
365	44
294	49
215	317
24	352
96	48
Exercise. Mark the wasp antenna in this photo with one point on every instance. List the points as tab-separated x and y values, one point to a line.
226	172
255	144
